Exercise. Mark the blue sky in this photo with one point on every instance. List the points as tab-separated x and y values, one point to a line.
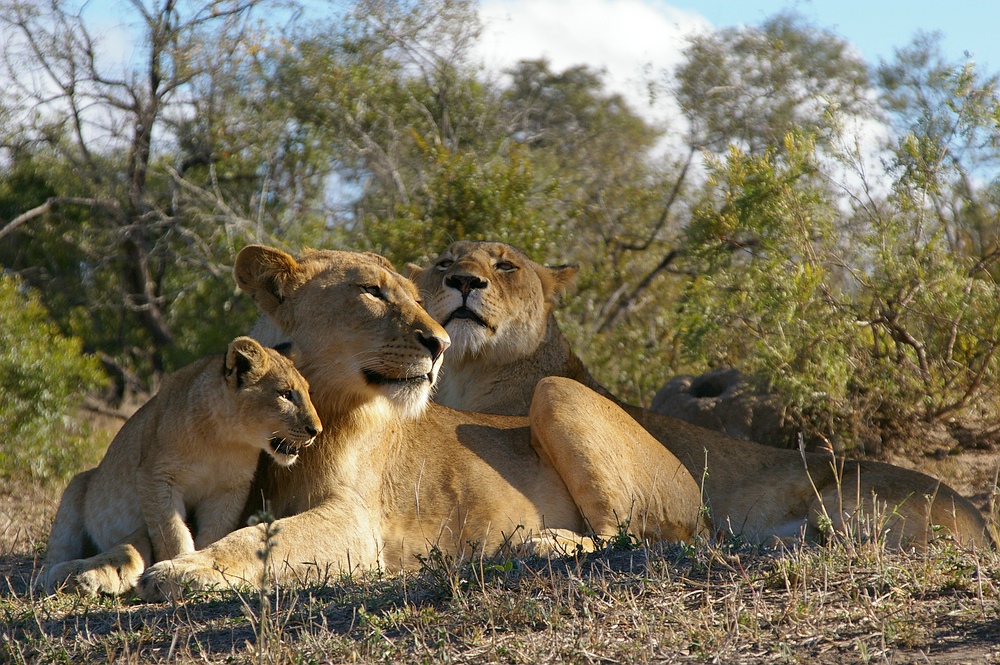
876	27
634	40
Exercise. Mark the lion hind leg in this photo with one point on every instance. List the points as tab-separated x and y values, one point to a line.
618	475
900	508
115	571
67	538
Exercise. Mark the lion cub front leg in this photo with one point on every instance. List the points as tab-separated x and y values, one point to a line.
219	514
164	512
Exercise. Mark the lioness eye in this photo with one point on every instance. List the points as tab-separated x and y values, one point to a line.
505	266
374	291
287	394
444	264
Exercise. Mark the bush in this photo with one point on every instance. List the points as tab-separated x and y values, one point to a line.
864	327
43	377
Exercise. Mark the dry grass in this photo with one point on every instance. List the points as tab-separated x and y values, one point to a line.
731	603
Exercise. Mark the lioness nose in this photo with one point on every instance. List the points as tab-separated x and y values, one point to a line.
313	431
465	283
434	344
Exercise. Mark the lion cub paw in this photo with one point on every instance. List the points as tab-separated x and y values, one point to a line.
82	577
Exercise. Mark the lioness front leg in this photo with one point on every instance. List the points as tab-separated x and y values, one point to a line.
114	571
614	470
337	536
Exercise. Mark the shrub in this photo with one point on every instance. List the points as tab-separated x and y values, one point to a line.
43	376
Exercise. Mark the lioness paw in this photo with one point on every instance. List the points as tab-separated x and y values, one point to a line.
173	579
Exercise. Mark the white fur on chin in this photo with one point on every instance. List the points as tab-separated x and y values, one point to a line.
408	401
468	339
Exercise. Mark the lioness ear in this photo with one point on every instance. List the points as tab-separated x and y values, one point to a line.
246	362
381	260
556	280
288	350
413	272
265	273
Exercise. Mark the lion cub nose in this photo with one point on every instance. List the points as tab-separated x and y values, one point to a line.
434	344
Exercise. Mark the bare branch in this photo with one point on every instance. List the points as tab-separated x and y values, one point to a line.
621	307
52	202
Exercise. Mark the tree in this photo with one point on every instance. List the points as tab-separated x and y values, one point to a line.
752	85
948	148
133	194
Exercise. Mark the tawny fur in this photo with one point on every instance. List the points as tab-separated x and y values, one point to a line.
758	492
190	451
392	476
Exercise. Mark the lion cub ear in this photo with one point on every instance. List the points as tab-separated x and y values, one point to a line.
556	280
246	362
265	273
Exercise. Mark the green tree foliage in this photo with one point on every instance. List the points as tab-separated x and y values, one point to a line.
752	85
43	377
464	198
130	186
733	236
762	295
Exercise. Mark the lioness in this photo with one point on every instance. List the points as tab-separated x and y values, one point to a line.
392	475
189	453
496	305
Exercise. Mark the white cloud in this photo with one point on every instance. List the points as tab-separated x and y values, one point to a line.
628	39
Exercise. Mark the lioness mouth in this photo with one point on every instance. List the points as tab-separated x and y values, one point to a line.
377	379
284	446
464	312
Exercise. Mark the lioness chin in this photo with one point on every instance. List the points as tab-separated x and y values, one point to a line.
190	451
497	305
393	475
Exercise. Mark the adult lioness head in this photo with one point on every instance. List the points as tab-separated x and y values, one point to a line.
491	297
355	321
497	305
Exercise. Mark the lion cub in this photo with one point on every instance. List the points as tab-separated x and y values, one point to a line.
187	456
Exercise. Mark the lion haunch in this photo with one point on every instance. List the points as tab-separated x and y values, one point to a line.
188	455
496	304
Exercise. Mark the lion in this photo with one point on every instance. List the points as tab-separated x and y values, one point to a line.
497	306
394	476
188	455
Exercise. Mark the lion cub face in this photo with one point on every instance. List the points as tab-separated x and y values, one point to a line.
357	325
273	396
491	298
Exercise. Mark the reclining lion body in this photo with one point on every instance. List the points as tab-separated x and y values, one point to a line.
391	475
758	492
190	451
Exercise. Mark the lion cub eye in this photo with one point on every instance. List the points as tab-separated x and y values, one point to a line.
374	291
505	266
444	264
